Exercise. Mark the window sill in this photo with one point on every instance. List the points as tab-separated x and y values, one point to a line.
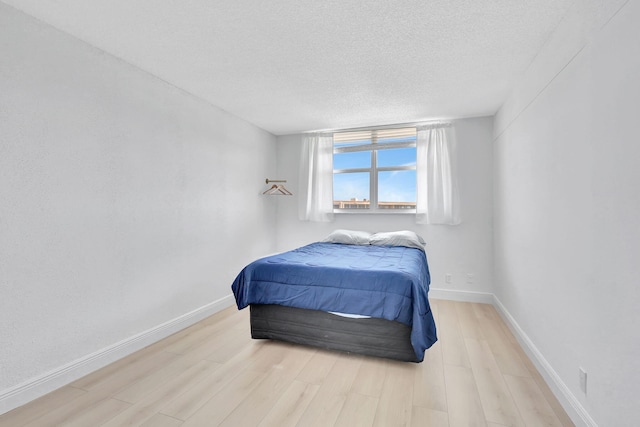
375	211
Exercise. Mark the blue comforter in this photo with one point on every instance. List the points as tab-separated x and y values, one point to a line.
389	282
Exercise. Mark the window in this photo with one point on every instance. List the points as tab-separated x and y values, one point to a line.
374	170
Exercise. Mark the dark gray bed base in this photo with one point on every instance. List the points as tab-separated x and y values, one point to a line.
371	337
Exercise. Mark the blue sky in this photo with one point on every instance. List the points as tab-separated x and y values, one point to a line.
393	186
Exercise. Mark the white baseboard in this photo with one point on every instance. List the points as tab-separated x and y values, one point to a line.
464	296
567	399
36	387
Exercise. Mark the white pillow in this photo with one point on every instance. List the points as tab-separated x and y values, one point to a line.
349	237
398	238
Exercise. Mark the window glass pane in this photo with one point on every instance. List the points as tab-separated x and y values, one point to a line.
358	159
394	149
397	189
351	190
397	157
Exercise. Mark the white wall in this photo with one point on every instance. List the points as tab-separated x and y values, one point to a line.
124	202
462	249
567	197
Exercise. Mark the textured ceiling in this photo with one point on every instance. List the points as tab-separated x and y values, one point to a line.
294	65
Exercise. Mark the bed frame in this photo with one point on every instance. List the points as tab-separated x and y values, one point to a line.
370	336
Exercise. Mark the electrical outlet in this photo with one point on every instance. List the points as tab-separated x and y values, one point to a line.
583	380
469	278
447	278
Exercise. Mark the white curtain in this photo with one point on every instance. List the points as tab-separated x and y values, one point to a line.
316	178
438	201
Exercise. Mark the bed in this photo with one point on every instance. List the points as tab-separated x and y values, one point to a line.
354	292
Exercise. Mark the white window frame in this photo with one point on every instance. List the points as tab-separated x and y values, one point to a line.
373	171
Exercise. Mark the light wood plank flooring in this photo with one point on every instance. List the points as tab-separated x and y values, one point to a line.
213	374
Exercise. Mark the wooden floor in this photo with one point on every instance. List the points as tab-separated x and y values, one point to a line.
213	374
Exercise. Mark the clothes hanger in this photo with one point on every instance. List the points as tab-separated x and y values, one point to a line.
279	189
271	190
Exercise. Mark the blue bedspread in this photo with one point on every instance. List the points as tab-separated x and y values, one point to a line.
378	281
